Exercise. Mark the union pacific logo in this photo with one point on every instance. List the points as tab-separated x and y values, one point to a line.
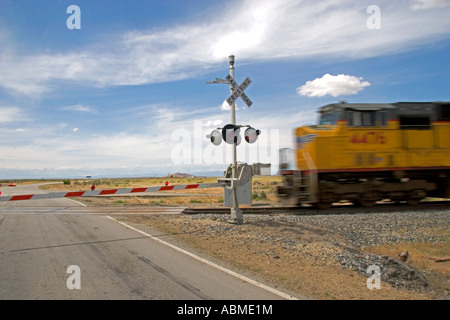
301	141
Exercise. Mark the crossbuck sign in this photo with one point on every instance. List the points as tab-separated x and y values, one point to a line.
239	91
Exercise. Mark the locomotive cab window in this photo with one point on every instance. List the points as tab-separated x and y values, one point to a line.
444	112
415	122
366	118
329	118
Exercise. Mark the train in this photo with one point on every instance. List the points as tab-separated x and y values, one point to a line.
368	152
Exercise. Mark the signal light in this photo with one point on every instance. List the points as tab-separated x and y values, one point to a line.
251	134
238	142
230	134
215	137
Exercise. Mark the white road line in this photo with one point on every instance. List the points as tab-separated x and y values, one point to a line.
80	203
212	264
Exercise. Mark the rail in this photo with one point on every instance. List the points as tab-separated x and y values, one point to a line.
337	208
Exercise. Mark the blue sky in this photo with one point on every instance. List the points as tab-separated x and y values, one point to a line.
126	94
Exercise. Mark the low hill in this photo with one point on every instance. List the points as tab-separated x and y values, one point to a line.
180	175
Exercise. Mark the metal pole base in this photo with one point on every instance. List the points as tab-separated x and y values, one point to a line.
236	216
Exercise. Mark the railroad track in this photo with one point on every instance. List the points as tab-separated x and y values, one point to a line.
255	210
335	209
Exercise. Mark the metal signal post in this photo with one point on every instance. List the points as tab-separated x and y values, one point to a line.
236	212
230	134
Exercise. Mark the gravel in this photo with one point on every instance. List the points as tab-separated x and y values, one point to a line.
358	229
327	239
378	229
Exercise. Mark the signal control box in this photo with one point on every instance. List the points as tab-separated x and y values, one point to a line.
242	182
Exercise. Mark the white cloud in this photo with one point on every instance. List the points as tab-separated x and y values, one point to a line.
75	129
80	108
332	85
217	122
429	4
226	107
11	114
253	30
115	151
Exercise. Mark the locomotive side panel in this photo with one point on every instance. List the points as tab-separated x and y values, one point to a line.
442	134
371	147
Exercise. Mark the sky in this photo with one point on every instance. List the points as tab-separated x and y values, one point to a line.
118	88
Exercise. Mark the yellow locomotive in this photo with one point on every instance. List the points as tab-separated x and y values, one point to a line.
369	152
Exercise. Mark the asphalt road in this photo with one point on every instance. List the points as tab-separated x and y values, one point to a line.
50	247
